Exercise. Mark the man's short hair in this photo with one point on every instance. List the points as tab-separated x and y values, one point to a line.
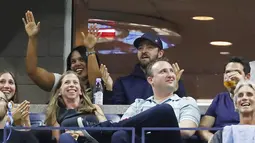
148	71
243	62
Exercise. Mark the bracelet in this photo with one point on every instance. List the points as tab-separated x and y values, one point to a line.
90	53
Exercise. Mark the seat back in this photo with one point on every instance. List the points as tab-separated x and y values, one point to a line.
37	119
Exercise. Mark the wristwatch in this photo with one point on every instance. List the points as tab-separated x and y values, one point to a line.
89	53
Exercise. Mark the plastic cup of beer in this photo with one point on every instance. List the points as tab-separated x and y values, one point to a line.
230	83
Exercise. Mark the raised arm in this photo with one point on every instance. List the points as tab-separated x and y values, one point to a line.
89	42
41	77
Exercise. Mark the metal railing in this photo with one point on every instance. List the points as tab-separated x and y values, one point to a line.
143	131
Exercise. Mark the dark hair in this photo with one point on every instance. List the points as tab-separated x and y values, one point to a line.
148	71
82	50
243	62
15	96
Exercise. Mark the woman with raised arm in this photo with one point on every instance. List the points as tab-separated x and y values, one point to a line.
82	60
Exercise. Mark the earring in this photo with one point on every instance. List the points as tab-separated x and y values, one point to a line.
9	105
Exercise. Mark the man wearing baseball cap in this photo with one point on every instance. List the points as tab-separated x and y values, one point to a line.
127	89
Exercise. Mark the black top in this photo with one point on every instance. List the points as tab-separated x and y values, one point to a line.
68	117
19	137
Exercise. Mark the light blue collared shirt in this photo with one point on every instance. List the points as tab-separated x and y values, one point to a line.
184	108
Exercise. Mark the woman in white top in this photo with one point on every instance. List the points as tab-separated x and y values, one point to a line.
81	60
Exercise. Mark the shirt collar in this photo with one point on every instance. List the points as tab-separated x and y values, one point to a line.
175	97
231	95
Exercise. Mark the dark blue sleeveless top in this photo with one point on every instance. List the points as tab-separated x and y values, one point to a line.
68	117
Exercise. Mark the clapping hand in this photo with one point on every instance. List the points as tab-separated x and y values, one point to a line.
19	112
106	77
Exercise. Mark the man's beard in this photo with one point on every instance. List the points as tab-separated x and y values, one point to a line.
144	65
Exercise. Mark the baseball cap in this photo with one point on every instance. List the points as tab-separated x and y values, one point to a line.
151	37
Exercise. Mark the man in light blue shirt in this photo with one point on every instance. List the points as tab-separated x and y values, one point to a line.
185	108
162	77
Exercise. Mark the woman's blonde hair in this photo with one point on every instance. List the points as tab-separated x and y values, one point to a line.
85	106
239	86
